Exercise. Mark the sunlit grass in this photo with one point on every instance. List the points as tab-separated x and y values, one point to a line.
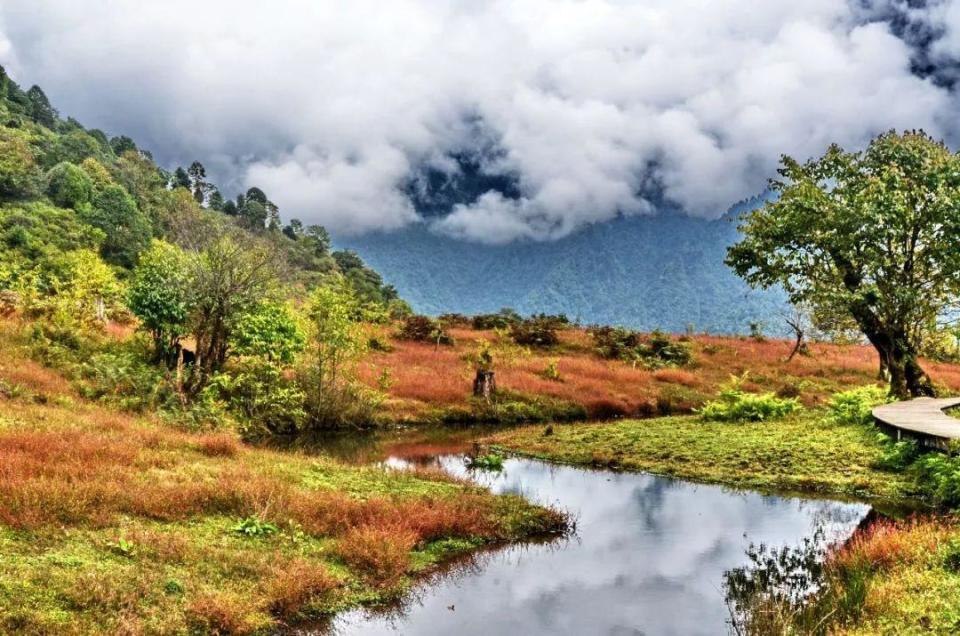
803	452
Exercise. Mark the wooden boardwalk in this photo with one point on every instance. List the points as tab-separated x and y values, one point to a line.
922	419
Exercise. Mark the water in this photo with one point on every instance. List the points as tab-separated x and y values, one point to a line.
648	557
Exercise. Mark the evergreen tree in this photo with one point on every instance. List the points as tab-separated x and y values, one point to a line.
40	109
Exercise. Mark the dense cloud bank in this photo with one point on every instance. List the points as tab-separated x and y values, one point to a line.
592	109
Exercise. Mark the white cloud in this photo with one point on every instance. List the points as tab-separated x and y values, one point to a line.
594	104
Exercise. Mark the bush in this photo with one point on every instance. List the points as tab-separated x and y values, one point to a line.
489	462
125	379
424	329
257	392
382	556
855	406
897	456
500	320
653	352
735	405
454	320
534	333
938	477
297	584
379	345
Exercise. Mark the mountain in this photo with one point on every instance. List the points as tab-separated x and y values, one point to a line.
663	271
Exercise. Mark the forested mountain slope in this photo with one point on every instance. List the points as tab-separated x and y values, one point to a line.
664	271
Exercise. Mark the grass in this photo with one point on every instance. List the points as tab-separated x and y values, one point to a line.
805	452
427	380
890	577
115	523
912	586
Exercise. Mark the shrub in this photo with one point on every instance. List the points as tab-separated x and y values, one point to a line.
855	406
257	392
951	556
938	477
124	378
454	320
552	371
223	613
379	345
254	527
660	351
68	186
614	343
735	405
382	556
295	585
654	352
490	462
218	445
534	333
500	320
424	329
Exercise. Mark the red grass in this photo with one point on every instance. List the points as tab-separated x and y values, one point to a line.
380	555
218	444
425	377
295	584
221	614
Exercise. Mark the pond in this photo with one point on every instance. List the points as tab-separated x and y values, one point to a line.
648	556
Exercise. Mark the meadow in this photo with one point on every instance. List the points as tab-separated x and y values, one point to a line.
112	522
424	380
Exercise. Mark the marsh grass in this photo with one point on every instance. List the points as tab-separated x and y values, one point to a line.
803	452
118	523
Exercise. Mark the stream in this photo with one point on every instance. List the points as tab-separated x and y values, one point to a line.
648	556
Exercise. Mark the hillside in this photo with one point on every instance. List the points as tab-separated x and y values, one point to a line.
664	271
66	189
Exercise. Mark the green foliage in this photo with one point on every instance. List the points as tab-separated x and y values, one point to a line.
843	230
253	527
128	230
492	462
855	406
951	555
654	351
897	456
18	170
69	186
938	477
424	329
735	405
123	377
173	587
535	332
509	408
552	371
257	392
269	330
503	319
158	295
123	547
335	398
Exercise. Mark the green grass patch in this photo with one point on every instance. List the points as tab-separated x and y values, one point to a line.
804	452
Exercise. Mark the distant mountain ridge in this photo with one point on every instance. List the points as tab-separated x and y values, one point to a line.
663	271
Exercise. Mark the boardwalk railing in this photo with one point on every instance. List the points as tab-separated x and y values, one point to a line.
921	419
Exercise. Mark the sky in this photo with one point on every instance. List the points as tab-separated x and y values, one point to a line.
591	109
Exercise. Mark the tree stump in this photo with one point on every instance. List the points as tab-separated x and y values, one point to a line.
484	385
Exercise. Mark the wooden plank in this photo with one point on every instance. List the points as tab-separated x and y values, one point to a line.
922	418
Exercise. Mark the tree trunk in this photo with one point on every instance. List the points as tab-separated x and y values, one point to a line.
484	385
907	378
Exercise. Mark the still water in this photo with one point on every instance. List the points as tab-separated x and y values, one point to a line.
648	556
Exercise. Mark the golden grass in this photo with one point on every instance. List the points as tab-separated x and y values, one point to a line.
424	377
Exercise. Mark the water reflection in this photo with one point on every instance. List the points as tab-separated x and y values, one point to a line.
649	558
